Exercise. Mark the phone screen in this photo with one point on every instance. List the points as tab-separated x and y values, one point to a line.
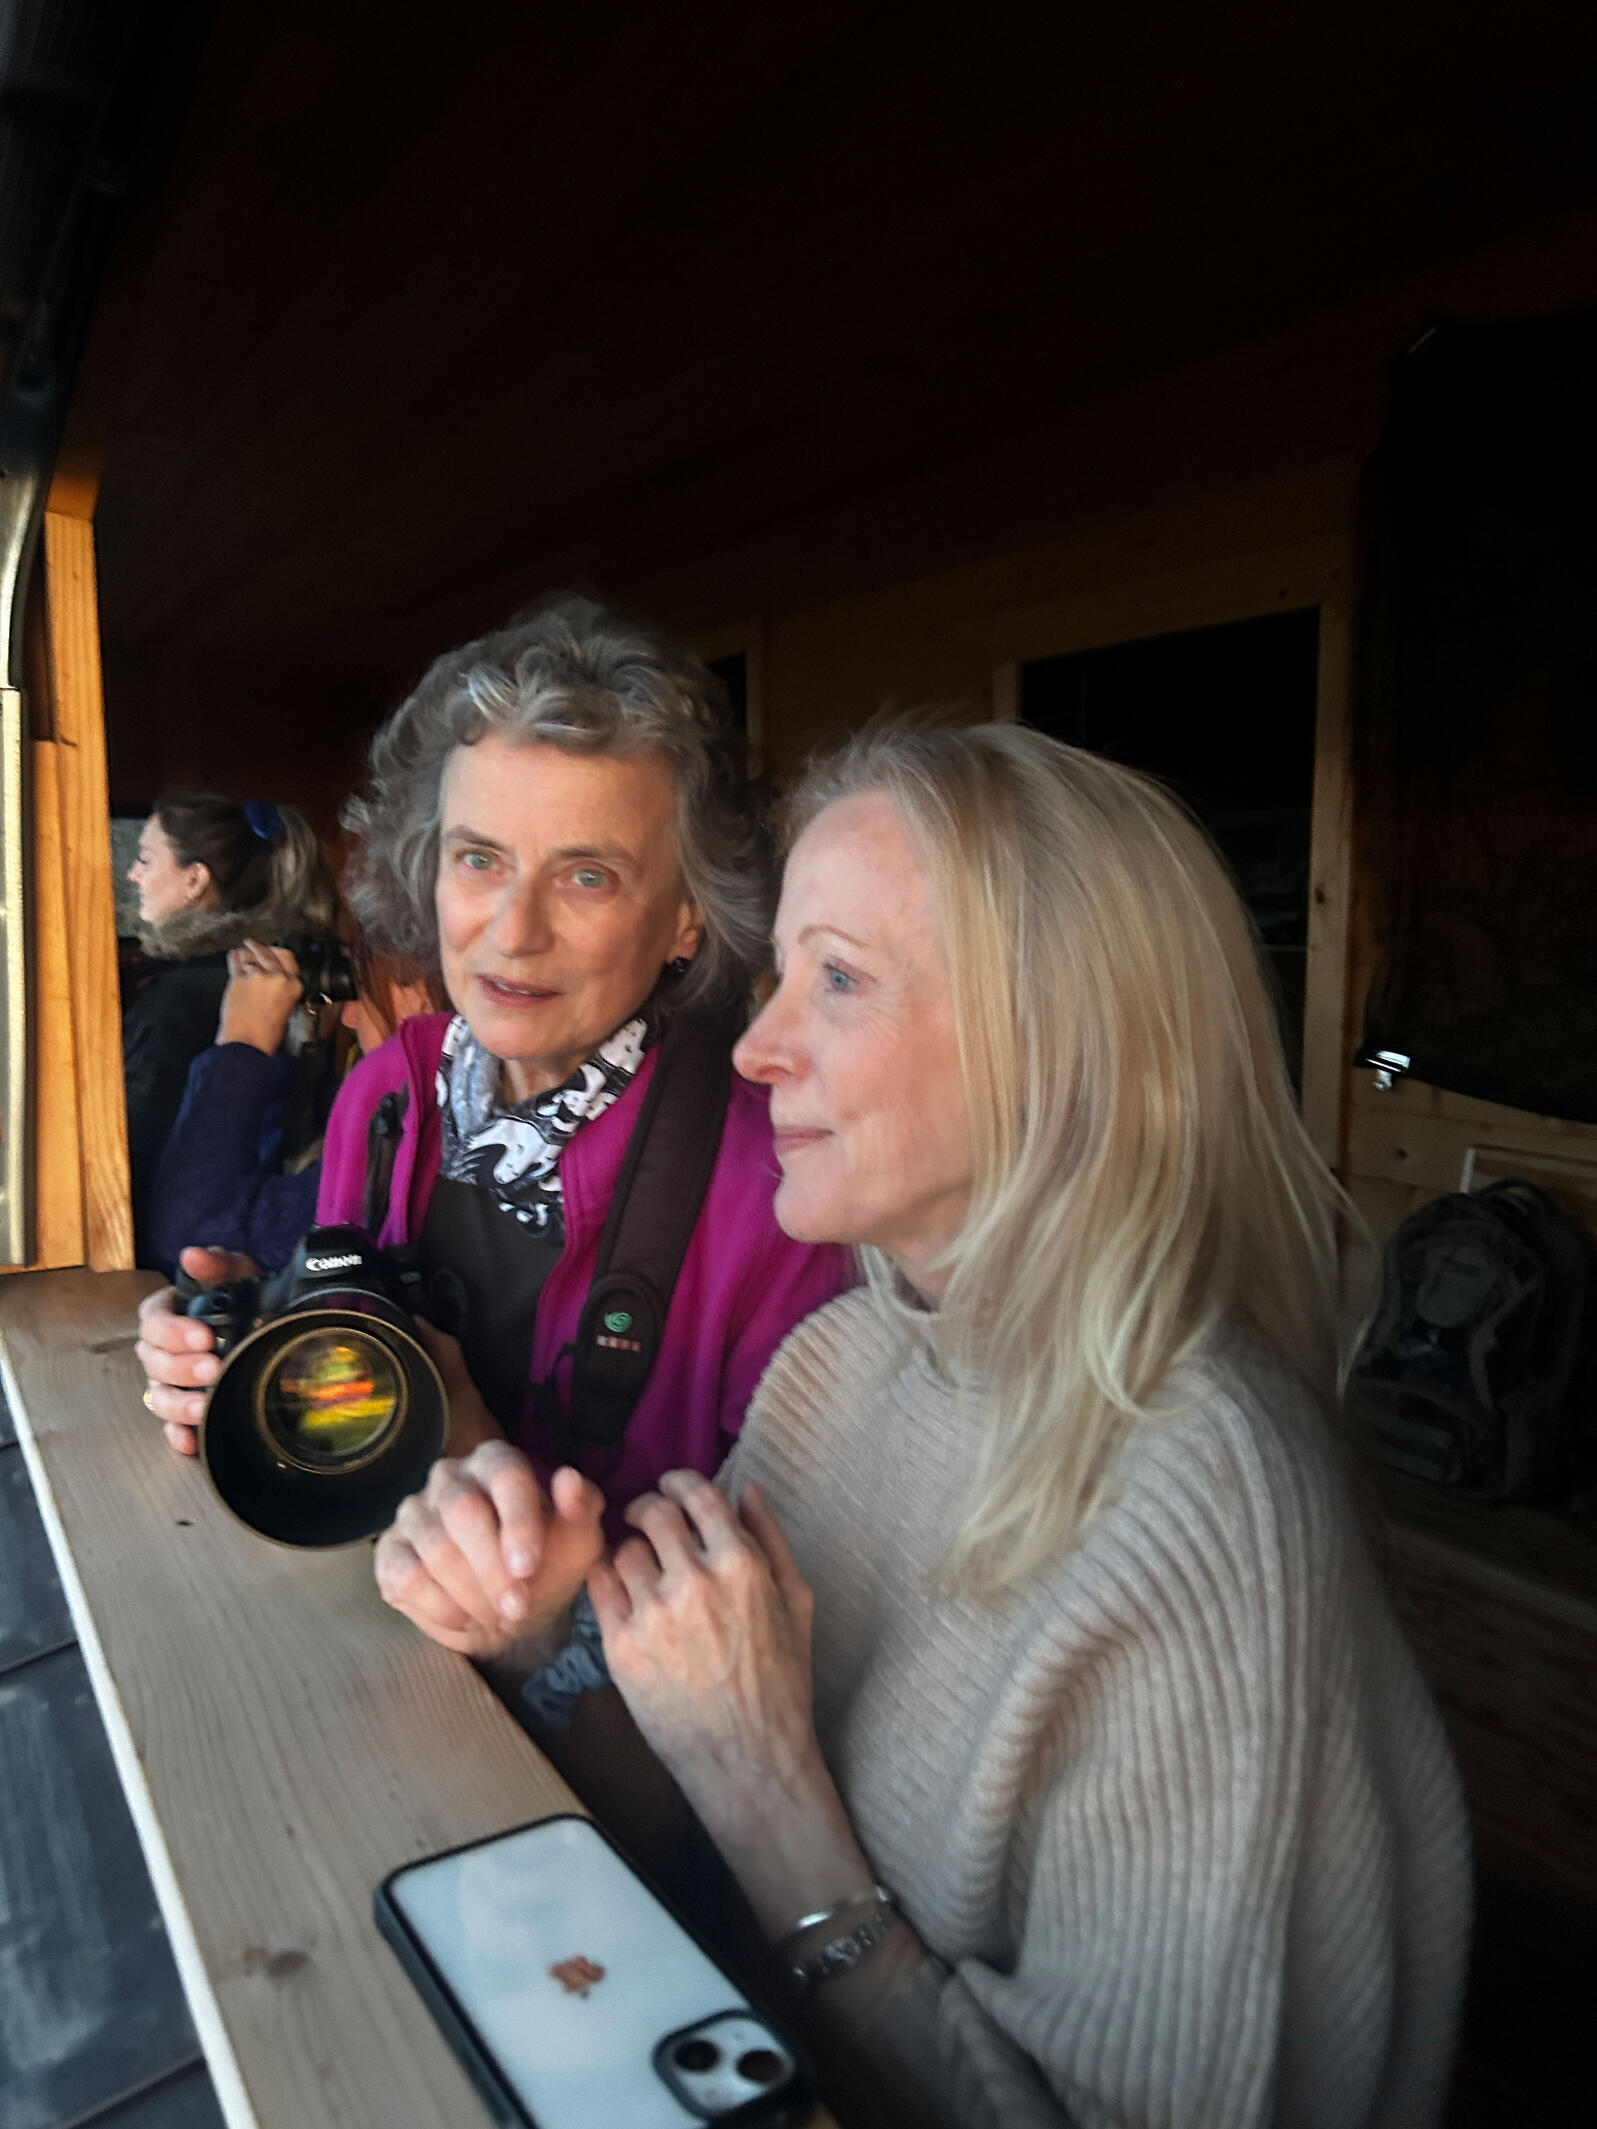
572	1974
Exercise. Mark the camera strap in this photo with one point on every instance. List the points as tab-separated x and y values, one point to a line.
655	1207
382	1148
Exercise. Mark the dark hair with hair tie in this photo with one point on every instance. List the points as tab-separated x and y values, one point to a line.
265	863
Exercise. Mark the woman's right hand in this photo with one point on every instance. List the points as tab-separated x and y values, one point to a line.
263	989
177	1354
483	1559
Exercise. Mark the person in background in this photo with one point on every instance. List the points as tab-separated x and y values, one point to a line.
209	874
1028	1665
556	822
216	1177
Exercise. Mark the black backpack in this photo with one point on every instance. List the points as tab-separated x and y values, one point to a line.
1471	1370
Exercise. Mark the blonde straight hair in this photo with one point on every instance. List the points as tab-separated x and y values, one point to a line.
1142	1179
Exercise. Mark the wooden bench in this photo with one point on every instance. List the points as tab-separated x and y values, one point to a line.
284	1740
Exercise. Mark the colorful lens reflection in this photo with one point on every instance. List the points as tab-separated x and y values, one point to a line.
329	1396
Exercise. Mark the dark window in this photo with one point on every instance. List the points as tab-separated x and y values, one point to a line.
733	673
1225	716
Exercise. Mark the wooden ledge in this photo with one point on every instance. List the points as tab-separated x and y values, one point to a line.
284	1739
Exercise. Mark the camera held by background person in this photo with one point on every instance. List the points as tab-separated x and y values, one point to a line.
325	968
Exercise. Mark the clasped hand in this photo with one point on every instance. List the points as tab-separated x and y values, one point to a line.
482	1559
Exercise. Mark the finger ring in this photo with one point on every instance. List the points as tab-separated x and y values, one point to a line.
149	1397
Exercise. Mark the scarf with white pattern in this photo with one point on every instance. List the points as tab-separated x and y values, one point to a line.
512	1150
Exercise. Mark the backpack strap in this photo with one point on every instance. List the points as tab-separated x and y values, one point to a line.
658	1196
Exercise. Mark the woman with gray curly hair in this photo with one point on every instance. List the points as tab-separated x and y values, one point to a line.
556	827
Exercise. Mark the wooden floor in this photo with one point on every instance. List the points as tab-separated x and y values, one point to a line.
93	2025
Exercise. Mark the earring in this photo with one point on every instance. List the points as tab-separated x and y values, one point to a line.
680	966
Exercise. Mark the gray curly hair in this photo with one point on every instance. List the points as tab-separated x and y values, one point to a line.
574	674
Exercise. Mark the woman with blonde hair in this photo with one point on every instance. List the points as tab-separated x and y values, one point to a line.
1027	1664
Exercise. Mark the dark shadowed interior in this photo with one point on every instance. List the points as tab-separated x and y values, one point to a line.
731	308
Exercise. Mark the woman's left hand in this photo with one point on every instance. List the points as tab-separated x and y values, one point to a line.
707	1630
707	1633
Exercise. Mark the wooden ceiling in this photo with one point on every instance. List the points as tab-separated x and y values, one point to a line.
430	309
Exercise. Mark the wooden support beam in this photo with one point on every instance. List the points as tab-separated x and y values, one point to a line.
73	641
78	1127
1327	1008
58	1151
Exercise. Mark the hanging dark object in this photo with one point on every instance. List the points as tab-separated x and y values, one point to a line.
1478	715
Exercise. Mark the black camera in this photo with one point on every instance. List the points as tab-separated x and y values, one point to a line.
328	1409
324	967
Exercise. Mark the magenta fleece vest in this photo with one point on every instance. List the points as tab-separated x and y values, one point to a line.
743	1285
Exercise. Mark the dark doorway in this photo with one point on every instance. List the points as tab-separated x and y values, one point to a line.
1225	716
733	673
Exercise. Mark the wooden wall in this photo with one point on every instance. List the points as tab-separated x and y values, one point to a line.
957	635
1413	1142
1501	1604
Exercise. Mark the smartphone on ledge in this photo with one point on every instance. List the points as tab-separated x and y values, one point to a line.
573	1995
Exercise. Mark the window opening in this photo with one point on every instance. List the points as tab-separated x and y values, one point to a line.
1226	716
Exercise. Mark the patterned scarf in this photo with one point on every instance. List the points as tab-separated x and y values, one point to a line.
513	1151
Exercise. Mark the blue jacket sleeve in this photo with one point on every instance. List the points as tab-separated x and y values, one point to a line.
551	1694
211	1186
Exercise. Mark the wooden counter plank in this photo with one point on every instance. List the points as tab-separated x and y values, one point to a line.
283	1738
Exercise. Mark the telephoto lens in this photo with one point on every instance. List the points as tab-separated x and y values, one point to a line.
328	1409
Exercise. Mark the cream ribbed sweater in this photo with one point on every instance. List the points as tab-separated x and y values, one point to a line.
1177	1820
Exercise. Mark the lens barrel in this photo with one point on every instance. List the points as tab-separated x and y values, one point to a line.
324	1418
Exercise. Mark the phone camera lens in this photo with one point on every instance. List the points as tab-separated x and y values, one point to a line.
761	2066
696	2056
